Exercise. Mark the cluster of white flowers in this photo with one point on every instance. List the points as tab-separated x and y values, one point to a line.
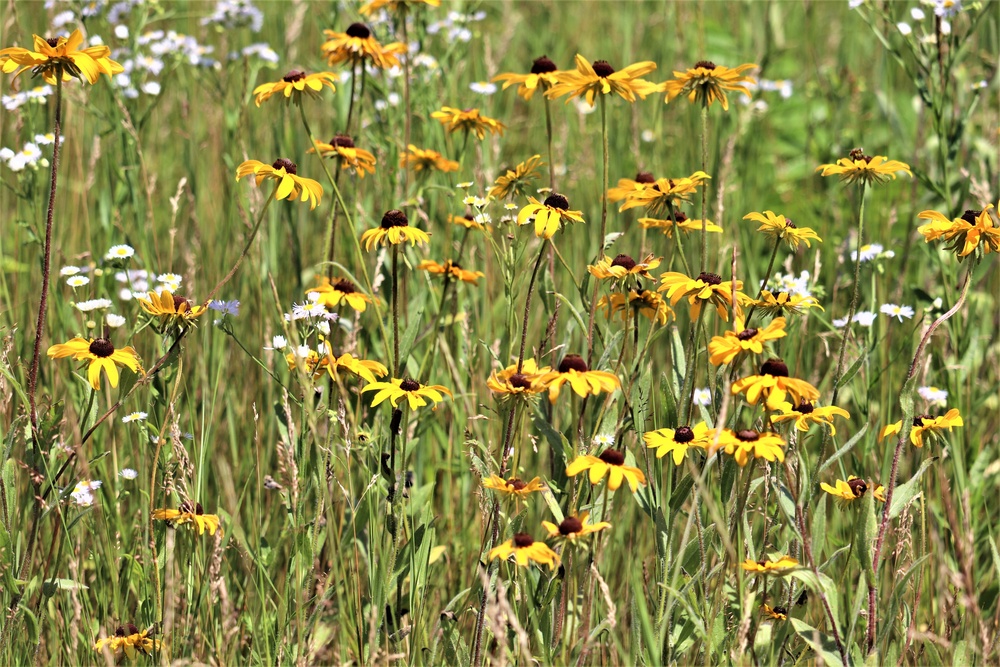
230	14
83	493
93	304
29	157
933	395
260	50
455	26
36	95
790	284
866	317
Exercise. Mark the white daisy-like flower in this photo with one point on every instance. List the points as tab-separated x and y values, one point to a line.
277	343
323	326
83	492
899	312
128	473
933	395
510	206
69	271
309	310
917	14
904	28
868	252
170	278
302	351
114	320
93	304
604	440
476	202
119	252
134	417
647	136
702	397
865	318
483	87
77	281
464	185
170	287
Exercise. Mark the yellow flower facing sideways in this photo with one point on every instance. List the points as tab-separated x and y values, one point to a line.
644	302
780	227
623	266
665	194
967	233
741	340
415	394
60	57
549	215
101	354
510	382
706	83
926	425
288	184
600	78
679	221
513	487
864	169
573	528
342	148
338	292
707	287
170	308
543	75
363	368
746	443
425	159
627	186
525	551
611	464
573	371
394	230
850	490
515	182
191	514
129	641
774	385
468	120
783	302
357	45
776	565
805	414
294	85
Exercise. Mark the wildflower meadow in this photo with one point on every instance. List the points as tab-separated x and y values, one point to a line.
527	332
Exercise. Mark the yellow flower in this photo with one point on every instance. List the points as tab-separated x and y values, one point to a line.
543	75
573	369
707	82
571	528
288	183
879	493
805	414
777	565
515	182
525	551
102	355
396	6
357	45
677	441
864	168
363	368
170	308
468	120
774	385
189	513
974	229
708	287
416	394
313	363
623	266
129	641
61	57
610	463
665	193
780	227
601	78
723	349
779	613
466	221
549	215
350	156
644	302
420	159
293	85
451	271
333	294
627	186
680	221
852	489
510	382
925	425
513	487
394	230
783	302
746	442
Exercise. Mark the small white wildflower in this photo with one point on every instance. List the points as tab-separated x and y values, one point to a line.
865	318
464	185
904	28
83	492
170	287
170	278
151	88
119	252
604	440
93	304
121	31
134	417
647	136
899	312
323	327
113	320
69	271
702	397
868	252
306	310
77	281
277	343
128	473
933	395
917	14
483	87
302	351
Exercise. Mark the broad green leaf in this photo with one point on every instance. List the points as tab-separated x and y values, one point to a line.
823	645
904	493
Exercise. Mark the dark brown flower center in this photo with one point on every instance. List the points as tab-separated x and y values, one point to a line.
120	631
522	540
645	177
342	141
704	64
191	508
970	216
345	287
748	435
612	457
516	484
603	69
573	362
683	434
543	66
624	261
520	380
746	334
394	218
774	367
359	30
859	154
680	216
780	610
919	419
858	487
805	407
102	347
180	301
710	278
557	201
286	164
570	526
52	41
409	385
293	76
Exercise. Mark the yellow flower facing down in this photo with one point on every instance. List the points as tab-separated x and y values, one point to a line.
288	184
101	354
627	186
926	425
779	613
525	551
451	271
543	75
191	514
350	157
468	120
295	84
707	287
589	81
780	227
509	382
677	441
363	368
396	6
852	489
681	222
623	266
394	230
641	301
549	215
338	292
707	83
357	45
170	308
516	182
415	394
966	234
774	385
783	302
513	487
61	57
610	464
806	414
583	381
777	565
865	169
573	528
740	341
467	221
665	193
747	443
129	641
424	159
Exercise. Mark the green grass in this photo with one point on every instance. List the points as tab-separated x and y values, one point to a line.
323	570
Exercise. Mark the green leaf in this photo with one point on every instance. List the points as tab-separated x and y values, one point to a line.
823	645
820	584
865	526
904	493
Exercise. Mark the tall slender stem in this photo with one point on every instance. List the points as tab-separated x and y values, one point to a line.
604	224
690	359
548	132
704	188
527	304
350	103
406	97
246	248
767	274
395	312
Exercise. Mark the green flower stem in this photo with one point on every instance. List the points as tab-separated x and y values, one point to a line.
704	188
246	248
548	133
604	224
767	274
690	357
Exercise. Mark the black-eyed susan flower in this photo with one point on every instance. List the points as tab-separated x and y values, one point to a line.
590	80
394	230
677	441
865	169
191	514
966	234
623	266
741	340
425	159
293	85
513	488
129	641
778	613
782	302
707	287
610	464
548	215
288	184
775	386
852	489
312	362
357	45
451	271
525	551
647	303
415	394
510	382
780	227
926	425
334	293
879	493
573	370
170	309
543	75
627	186
363	368
467	221
706	83
101	354
806	414
350	157
517	181
468	120
396	6
778	564
573	528
665	193
679	221
57	57
746	443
